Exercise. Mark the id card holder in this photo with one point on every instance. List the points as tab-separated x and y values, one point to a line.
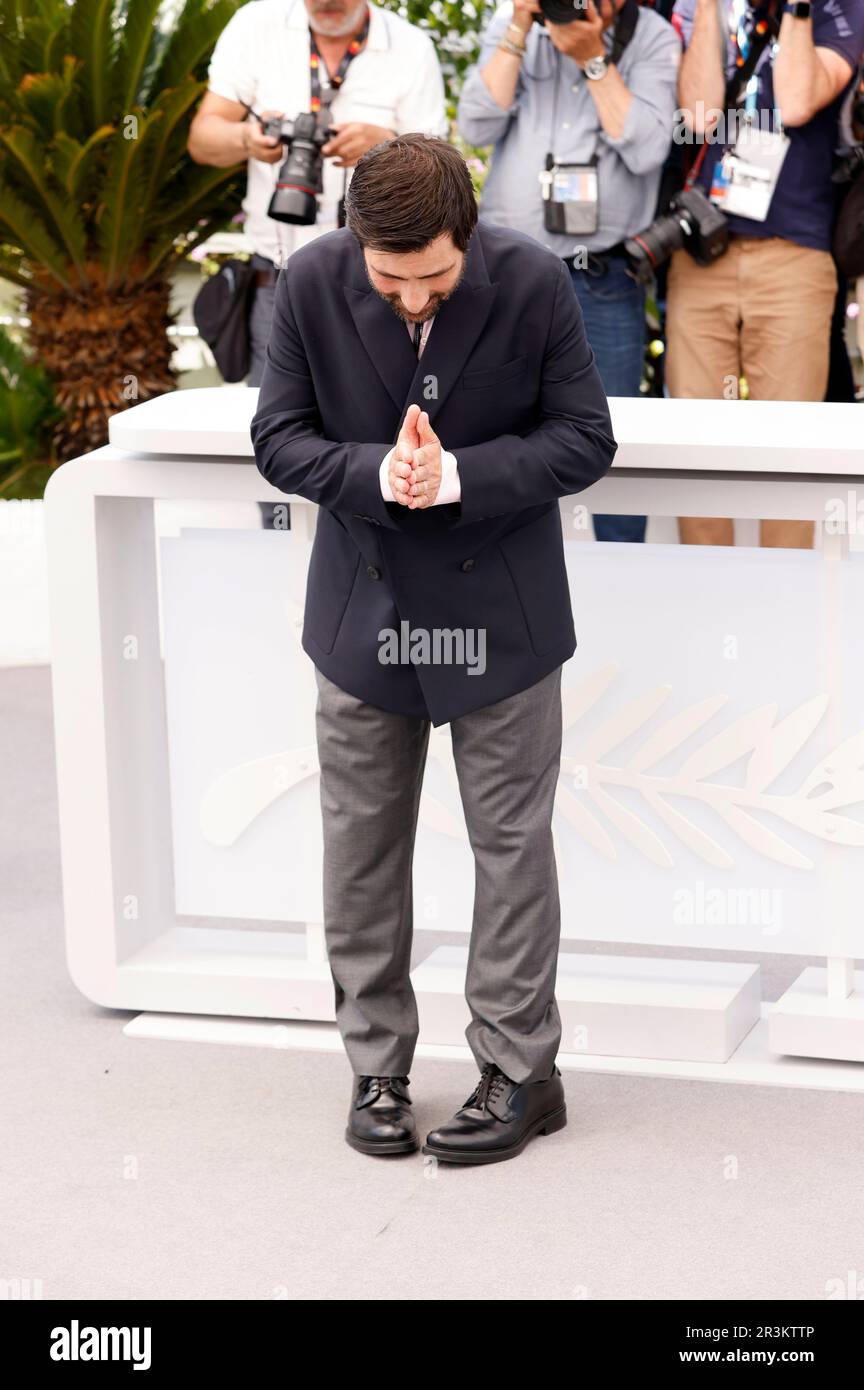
746	177
571	198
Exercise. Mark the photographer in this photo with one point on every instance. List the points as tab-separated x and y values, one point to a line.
369	74
763	308
580	110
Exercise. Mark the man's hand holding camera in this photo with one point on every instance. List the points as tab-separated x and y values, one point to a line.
257	145
523	14
583	40
577	41
352	140
415	468
350	143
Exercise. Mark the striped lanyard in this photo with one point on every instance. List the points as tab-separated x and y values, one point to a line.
742	32
316	62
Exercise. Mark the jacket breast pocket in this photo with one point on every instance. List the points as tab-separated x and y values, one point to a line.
494	376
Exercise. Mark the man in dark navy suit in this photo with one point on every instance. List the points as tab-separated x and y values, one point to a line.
428	383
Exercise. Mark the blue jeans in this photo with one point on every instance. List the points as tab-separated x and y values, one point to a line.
613	307
260	319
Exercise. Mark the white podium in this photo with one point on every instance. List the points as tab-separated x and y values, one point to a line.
680	801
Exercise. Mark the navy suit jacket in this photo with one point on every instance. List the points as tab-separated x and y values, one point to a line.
511	388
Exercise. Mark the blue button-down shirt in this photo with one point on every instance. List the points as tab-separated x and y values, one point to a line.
628	168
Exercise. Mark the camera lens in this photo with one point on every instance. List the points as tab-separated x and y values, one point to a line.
294	204
654	245
295	198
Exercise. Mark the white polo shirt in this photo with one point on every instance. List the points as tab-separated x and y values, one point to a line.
262	57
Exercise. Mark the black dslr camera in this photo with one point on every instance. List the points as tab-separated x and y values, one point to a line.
849	165
691	221
301	177
561	11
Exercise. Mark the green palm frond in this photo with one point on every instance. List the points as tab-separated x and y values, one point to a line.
63	218
27	412
96	97
19	224
121	217
93	39
190	196
167	153
75	165
203	213
192	42
10	269
45	95
135	49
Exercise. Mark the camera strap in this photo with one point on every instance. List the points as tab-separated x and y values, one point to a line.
320	100
625	28
766	27
316	63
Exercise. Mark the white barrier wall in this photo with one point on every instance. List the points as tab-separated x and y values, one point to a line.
711	787
694	804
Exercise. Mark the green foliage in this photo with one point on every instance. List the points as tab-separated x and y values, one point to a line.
95	101
27	413
455	30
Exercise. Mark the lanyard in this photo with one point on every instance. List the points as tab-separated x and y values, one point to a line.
622	33
750	31
316	62
749	41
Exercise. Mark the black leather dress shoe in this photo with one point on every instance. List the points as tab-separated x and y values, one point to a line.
380	1119
499	1117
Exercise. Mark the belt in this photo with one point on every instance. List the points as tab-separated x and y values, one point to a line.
597	259
265	277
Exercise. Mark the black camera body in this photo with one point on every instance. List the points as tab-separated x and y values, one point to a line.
849	165
301	177
692	221
561	11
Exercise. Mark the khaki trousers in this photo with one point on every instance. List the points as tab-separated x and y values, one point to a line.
762	311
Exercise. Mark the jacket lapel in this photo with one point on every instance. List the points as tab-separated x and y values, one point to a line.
386	340
457	327
458	324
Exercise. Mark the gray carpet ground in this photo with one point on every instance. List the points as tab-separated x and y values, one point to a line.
133	1169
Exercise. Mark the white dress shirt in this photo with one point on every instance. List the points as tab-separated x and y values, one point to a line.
451	488
262	57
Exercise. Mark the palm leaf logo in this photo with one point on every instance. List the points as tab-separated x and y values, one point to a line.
586	799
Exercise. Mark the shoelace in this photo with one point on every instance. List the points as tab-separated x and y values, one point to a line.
382	1083
492	1081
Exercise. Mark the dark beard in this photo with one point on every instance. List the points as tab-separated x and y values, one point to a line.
435	301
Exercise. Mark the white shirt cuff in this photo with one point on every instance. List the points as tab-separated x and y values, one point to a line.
451	488
449	491
384	476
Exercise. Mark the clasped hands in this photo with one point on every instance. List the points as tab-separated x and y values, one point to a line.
415	467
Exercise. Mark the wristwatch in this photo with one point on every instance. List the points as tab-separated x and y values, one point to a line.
799	9
596	68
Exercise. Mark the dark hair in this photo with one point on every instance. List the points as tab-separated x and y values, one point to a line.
409	191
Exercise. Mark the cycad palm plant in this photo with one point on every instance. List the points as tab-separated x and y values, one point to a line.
98	198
